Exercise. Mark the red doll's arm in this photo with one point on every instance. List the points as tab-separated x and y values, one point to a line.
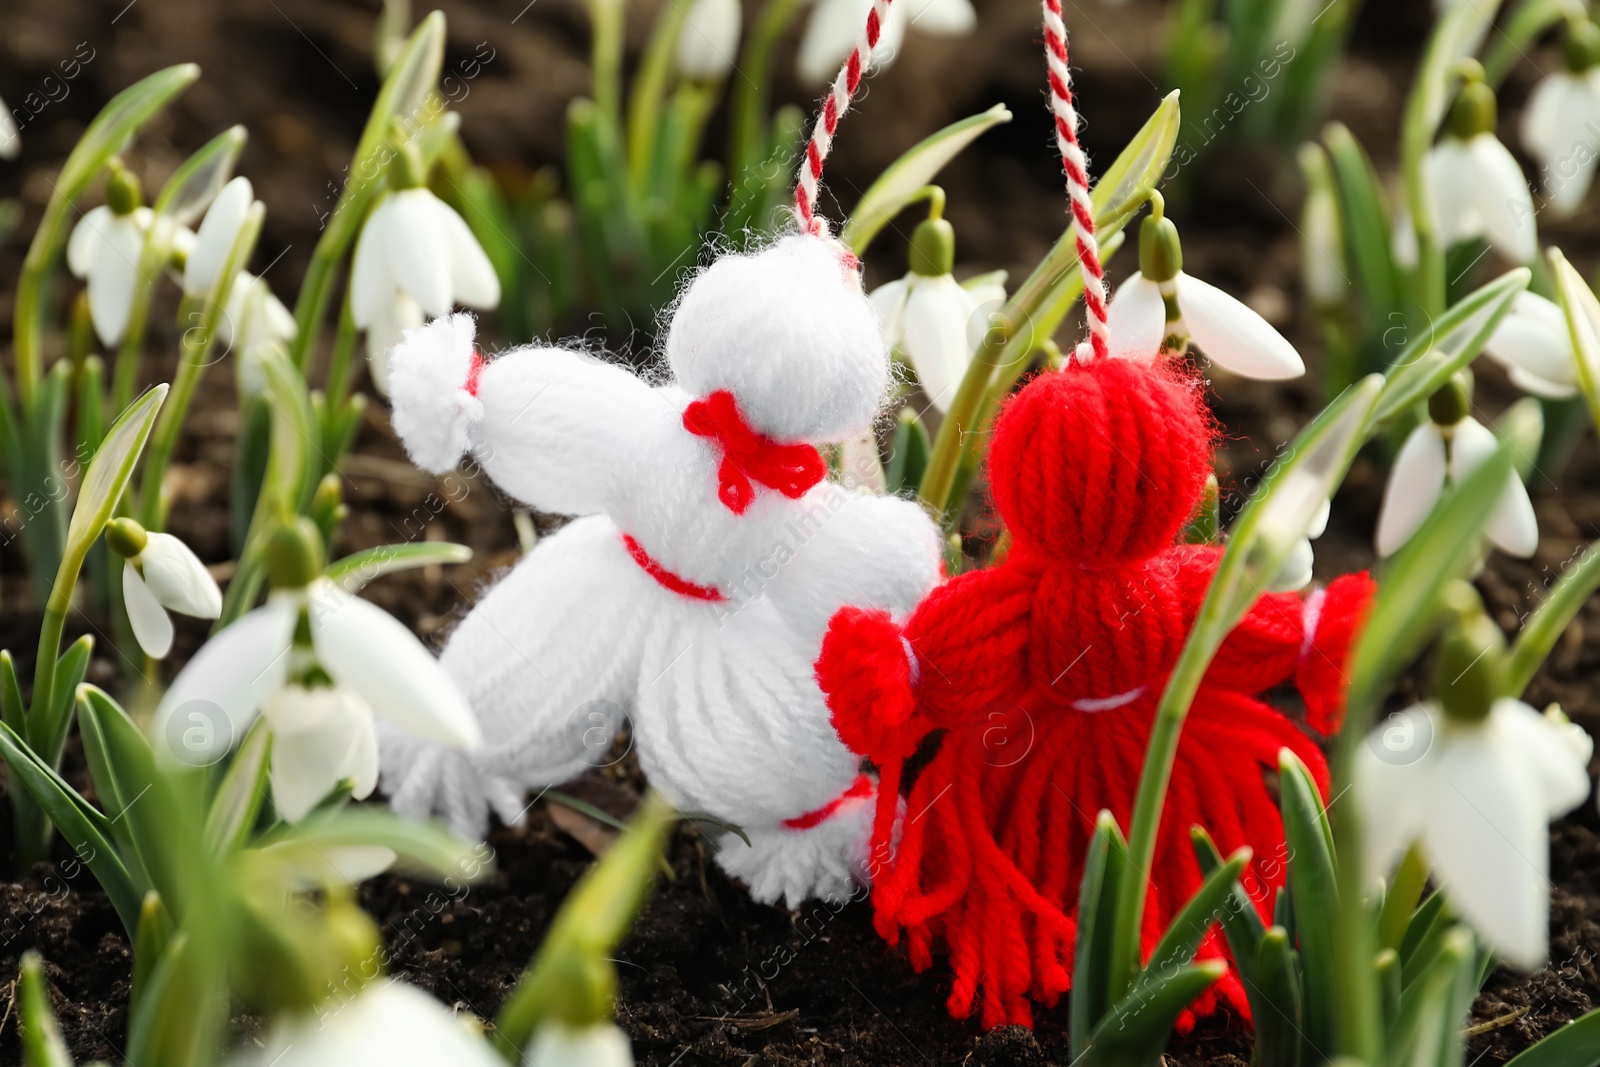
1287	636
961	649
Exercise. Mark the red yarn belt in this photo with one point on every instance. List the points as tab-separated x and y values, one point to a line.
666	579
861	787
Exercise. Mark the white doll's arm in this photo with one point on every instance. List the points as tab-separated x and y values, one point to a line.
553	428
854	549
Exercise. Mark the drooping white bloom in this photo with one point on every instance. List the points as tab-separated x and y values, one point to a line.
10	137
321	733
393	320
1435	455
709	39
836	24
558	1044
165	575
104	250
1296	573
1561	129
1477	189
389	1024
1226	329
1533	344
1477	796
937	323
254	315
218	231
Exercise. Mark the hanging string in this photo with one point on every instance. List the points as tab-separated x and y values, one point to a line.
833	109
1077	168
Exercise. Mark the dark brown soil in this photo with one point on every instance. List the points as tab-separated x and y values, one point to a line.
708	977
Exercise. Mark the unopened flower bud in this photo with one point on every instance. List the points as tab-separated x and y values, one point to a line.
295	556
1474	110
126	538
123	192
1453	400
1469	664
933	248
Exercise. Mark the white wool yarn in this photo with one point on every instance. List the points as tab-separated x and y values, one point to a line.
662	604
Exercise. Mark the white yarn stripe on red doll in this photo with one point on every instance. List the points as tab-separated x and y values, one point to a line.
833	108
1077	168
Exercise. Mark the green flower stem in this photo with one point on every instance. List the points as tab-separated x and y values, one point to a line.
337	384
29	314
1526	23
194	355
753	85
157	250
1540	633
606	19
649	88
1401	900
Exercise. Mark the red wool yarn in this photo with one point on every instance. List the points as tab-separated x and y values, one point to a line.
1043	673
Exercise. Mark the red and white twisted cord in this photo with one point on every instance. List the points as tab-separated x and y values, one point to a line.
1077	168
833	108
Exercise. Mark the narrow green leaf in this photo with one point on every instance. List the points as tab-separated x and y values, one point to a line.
1422	921
83	827
110	470
1582	312
1314	891
908	454
1366	233
1433	928
1539	634
1102	869
199	179
149	943
1525	23
1241	923
1177	946
1387	967
12	709
1448	344
1278	1023
42	1045
244	786
354	571
1576	1044
1135	1031
1427	1023
901	180
425	847
70	669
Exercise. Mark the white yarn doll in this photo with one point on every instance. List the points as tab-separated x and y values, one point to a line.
694	590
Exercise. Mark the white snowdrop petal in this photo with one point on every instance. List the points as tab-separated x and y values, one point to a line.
1137	319
944	18
1502	199
1297	570
1232	335
10	139
307	763
1533	336
367	649
1560	767
1554	116
1319	521
1537	386
1447	173
1486	837
558	1044
83	247
226	683
1567	182
1512	526
709	39
473	281
936	318
391	325
148	618
1415	483
371	284
889	304
178	579
829	36
418	247
1393	769
216	235
113	278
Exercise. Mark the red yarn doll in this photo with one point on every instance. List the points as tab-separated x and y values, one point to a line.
1044	672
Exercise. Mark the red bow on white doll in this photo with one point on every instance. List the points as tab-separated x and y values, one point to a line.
693	591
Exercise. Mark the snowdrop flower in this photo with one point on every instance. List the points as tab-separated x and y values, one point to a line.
1296	572
1561	124
10	137
709	40
317	662
930	318
836	24
414	247
254	315
205	255
1474	777
104	250
1534	345
392	321
1161	308
560	1044
390	1024
1445	448
160	574
1475	187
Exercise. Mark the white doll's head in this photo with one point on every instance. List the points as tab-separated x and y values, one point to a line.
790	333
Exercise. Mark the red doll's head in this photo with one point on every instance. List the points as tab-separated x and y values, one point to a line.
1101	465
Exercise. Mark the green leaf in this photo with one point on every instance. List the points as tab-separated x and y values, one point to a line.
1428	1024
1103	868
1449	344
908	453
425	847
199	179
12	710
42	1045
109	473
1314	891
149	943
354	571
233	810
1277	1021
118	121
1539	634
1386	966
1241	923
1177	946
1522	427
1366	233
1422	921
1576	1044
1405	611
70	669
1583	325
900	182
83	827
1135	1032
